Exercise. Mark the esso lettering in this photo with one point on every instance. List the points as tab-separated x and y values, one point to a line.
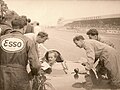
12	44
8	43
5	43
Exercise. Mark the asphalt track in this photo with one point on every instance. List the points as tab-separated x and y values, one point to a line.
62	41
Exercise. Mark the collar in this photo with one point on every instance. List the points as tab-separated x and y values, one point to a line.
18	31
99	39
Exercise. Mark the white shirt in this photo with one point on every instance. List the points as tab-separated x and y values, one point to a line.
39	47
31	36
37	29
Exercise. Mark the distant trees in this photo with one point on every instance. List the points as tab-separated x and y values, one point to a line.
6	13
3	8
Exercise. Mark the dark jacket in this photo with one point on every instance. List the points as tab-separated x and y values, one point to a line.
15	51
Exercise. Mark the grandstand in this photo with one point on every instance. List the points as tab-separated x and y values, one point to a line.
105	23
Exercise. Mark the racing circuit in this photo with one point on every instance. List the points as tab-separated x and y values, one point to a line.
62	41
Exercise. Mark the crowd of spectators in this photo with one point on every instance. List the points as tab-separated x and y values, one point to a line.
100	24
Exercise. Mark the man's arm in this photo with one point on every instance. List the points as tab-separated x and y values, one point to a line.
90	55
33	58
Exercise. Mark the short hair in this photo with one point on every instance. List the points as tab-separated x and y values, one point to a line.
17	22
25	19
37	23
23	16
42	34
92	32
78	37
28	20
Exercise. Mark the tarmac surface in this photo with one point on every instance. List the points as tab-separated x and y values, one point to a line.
62	81
62	41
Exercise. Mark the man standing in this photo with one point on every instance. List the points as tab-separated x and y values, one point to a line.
38	39
104	53
4	26
29	27
15	51
37	28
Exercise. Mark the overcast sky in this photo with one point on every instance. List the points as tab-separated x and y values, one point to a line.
47	12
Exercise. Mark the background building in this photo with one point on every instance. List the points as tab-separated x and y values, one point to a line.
105	24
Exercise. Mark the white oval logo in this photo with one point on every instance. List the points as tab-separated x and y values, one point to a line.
12	44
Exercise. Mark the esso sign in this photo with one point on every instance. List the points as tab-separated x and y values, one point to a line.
13	44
